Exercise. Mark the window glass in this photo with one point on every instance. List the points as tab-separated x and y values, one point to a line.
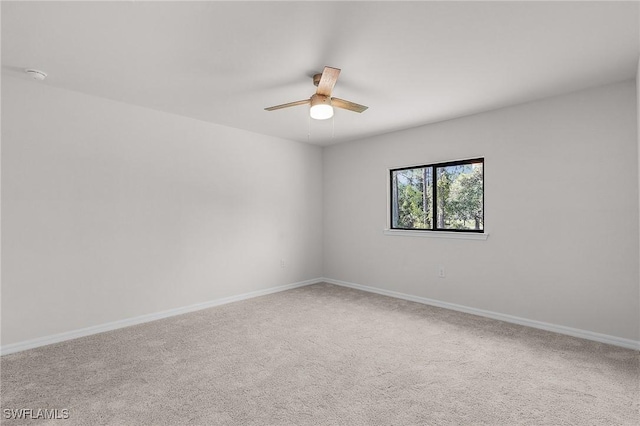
455	200
460	196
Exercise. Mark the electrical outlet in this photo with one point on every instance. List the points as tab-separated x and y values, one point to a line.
441	273
282	264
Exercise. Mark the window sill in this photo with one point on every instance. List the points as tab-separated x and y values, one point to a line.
437	234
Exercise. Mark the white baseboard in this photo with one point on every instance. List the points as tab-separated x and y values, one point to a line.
584	334
74	334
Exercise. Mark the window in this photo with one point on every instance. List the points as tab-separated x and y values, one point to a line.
439	197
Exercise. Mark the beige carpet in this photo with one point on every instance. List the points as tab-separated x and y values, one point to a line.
326	355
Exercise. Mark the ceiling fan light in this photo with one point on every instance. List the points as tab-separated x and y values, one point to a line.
321	112
321	108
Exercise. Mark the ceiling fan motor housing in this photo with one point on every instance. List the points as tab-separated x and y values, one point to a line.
320	99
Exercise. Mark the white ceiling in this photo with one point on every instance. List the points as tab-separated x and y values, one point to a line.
412	63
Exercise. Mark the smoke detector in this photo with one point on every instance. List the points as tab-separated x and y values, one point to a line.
36	74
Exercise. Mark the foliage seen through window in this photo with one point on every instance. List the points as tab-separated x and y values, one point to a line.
454	203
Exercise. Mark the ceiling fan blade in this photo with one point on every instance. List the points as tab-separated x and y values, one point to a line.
290	104
327	81
351	106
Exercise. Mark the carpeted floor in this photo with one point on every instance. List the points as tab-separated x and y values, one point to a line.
326	355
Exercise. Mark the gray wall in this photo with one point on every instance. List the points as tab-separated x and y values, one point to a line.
111	211
561	188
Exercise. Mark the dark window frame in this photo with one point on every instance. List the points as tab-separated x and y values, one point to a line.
434	206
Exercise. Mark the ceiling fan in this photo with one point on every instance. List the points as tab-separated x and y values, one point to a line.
321	102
